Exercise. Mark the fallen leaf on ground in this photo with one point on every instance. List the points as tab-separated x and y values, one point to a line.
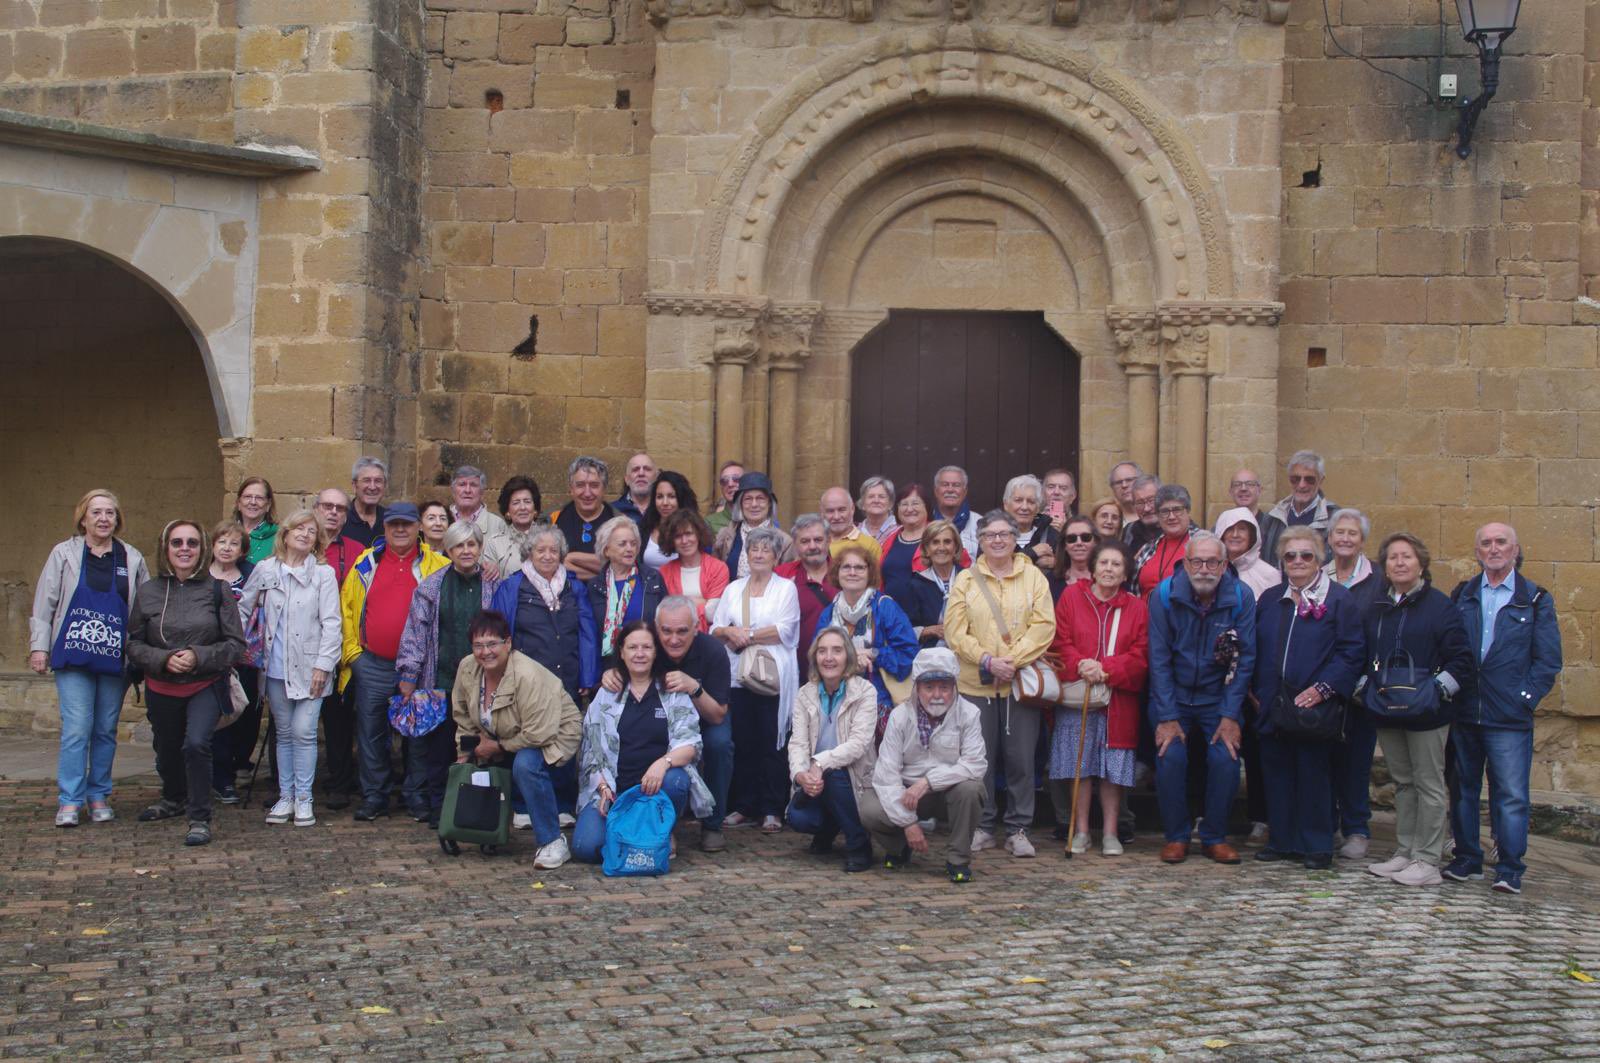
141	871
380	885
376	1009
1441	910
85	904
340	893
1581	976
903	948
81	997
1030	980
797	948
613	966
1215	1042
861	1002
95	931
1126	963
433	1022
538	885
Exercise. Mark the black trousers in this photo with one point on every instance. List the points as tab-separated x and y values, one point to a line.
183	729
339	738
760	767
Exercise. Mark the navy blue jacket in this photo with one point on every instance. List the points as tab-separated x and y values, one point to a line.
1294	652
923	603
1432	633
650	589
1185	678
1523	660
564	640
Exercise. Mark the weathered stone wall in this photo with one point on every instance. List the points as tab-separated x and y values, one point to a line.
1434	349
537	136
157	65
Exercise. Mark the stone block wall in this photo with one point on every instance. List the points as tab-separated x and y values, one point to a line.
537	140
161	66
1435	348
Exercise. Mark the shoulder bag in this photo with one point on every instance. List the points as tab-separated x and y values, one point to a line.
1399	693
758	668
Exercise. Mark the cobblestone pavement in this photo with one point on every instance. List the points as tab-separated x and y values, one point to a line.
283	943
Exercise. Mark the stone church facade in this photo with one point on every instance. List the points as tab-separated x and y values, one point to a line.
266	236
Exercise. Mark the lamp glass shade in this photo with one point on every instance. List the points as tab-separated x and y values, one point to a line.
1488	22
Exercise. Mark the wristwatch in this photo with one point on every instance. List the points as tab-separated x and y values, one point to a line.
695	694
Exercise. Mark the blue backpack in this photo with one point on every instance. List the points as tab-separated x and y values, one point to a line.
638	835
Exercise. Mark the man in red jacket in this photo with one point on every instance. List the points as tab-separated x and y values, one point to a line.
809	573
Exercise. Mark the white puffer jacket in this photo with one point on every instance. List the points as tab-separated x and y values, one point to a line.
306	599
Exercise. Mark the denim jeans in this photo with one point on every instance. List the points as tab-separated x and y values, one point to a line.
1508	756
1352	775
589	836
535	784
1299	794
830	812
716	766
375	676
296	726
182	730
1172	777
90	707
428	760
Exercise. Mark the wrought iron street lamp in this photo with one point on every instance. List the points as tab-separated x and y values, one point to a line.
1486	23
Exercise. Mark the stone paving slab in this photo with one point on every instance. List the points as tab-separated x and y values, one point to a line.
277	943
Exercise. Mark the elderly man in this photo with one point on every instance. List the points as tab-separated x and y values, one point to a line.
1124	474
1060	495
930	763
727	486
1305	504
580	518
809	574
950	499
696	664
839	512
1146	527
369	479
466	494
1511	623
1202	659
1245	490
638	477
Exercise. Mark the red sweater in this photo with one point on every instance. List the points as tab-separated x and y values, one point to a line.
1083	622
389	604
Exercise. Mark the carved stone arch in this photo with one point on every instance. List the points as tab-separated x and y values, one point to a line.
908	69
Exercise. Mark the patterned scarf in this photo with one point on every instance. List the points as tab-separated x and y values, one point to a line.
848	616
616	606
549	589
925	726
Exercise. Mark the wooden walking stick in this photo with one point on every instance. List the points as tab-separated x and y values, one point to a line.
1077	771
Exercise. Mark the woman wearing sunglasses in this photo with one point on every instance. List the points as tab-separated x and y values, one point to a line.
184	633
1072	564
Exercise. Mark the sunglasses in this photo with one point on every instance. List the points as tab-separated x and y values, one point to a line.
729	481
588	531
1078	537
1299	555
1302	479
183	542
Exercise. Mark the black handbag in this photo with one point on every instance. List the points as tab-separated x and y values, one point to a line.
1322	722
1399	693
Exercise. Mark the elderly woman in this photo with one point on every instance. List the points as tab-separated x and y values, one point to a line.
257	512
1309	649
934	571
519	503
885	643
548	609
432	647
1107	516
298	598
1102	636
693	572
1163	554
669	494
1024	501
1239	532
184	633
644	736
753	509
523	719
760	613
1352	760
435	518
877	504
831	749
999	618
92	578
231	747
624	590
1411	616
1072	562
897	565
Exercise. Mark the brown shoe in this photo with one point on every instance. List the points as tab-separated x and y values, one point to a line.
1174	852
1222	853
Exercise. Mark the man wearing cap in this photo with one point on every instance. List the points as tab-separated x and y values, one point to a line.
376	601
755	506
931	763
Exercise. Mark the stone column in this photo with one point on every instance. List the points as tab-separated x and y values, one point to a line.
1139	353
732	347
1186	350
787	343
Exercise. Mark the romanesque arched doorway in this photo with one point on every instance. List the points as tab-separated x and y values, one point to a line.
105	387
996	393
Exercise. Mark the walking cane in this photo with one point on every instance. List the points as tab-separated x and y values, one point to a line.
1077	771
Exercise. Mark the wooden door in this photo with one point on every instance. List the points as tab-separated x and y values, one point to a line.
996	393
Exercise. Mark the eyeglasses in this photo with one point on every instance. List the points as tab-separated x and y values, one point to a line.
1205	562
487	647
332	507
191	543
1144	503
1299	555
996	536
1238	484
1172	511
1302	479
1078	537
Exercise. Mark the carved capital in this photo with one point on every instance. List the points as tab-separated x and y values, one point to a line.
733	341
1186	349
786	333
1138	335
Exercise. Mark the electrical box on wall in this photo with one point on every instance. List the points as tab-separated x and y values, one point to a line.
1447	86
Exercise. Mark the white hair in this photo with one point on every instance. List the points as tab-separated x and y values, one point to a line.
1307	457
1017	483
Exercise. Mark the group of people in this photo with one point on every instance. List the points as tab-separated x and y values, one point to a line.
890	662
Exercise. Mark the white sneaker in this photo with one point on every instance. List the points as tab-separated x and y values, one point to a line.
1018	845
1111	845
1080	843
521	821
981	840
553	855
281	812
566	820
303	815
1390	867
1258	834
1420	873
1355	847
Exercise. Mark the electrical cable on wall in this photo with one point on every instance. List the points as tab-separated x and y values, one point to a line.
1327	25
